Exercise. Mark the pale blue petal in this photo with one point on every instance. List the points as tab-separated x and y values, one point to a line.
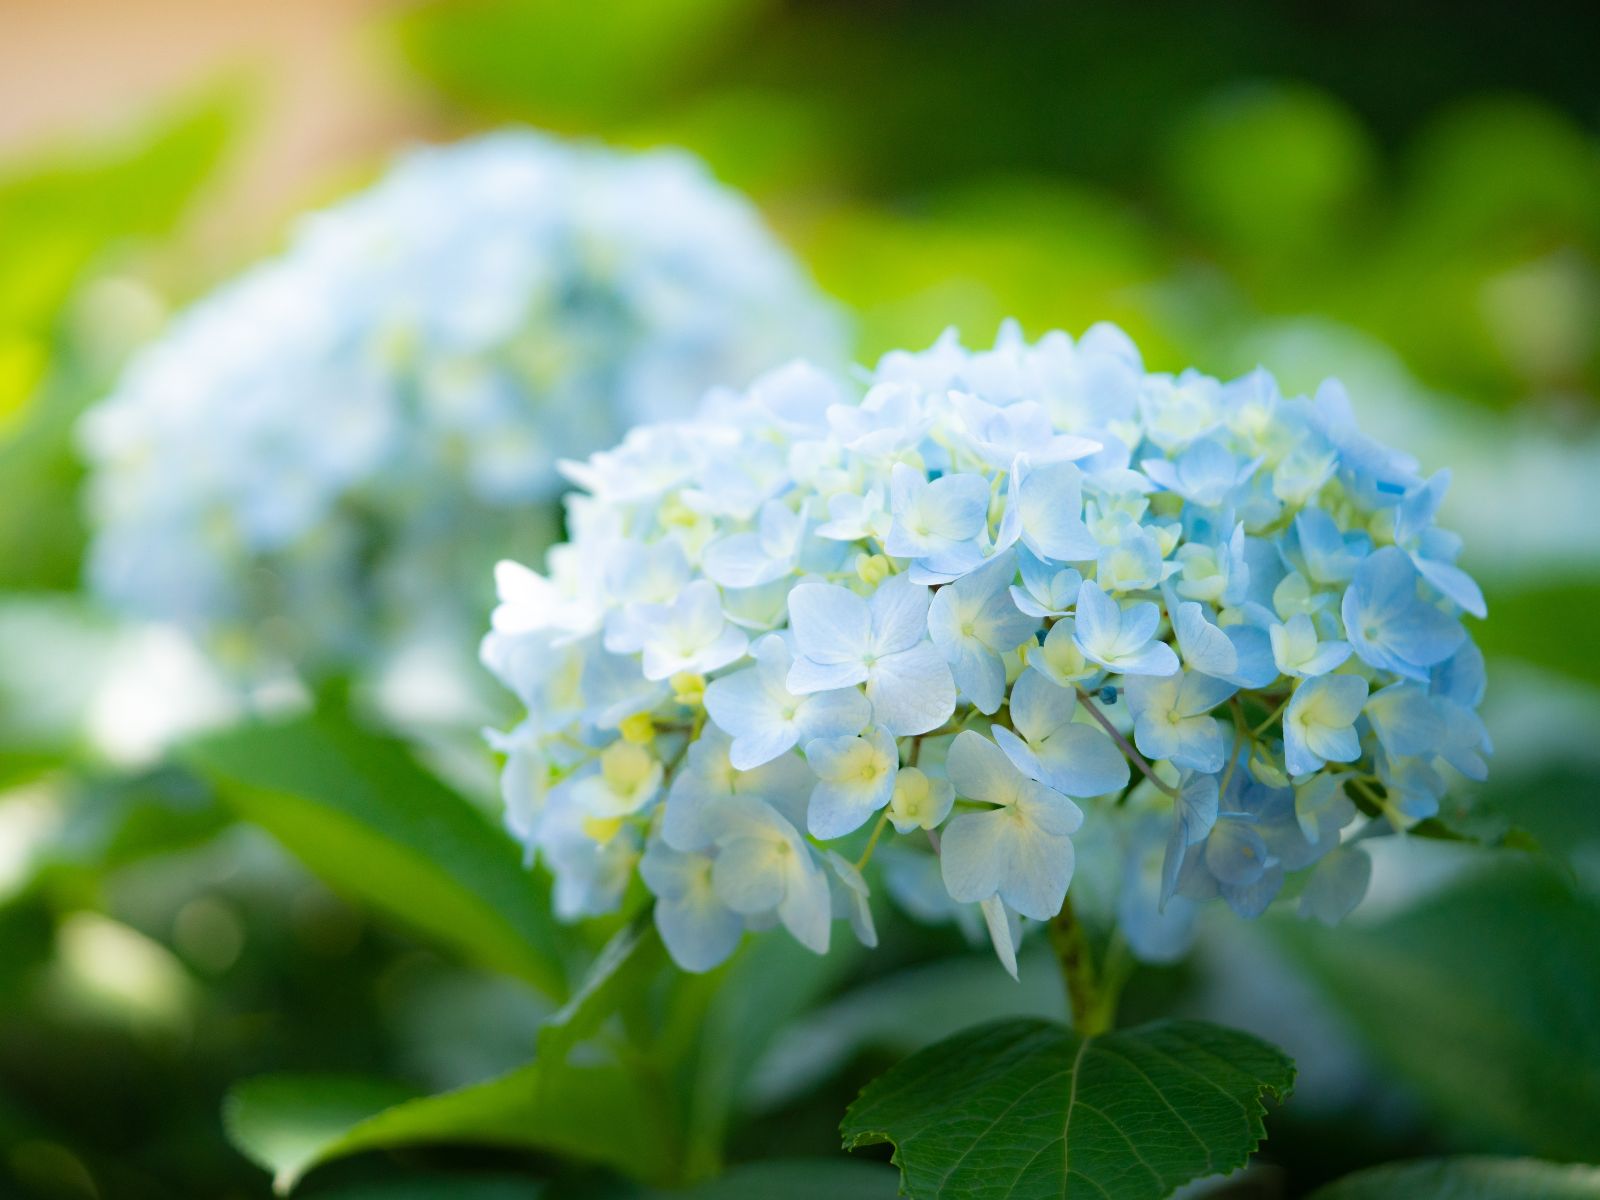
756	748
1039	706
741	561
958	505
1235	853
1099	617
830	624
832	714
1018	751
1406	720
1200	745
739	703
698	932
979	674
1337	885
1250	900
1039	874
1001	934
1080	761
1202	693
911	692
1139	622
980	770
743	876
1155	658
975	854
807	907
1329	656
1205	647
899	615
1254	649
1454	584
806	677
1194	816
1051	499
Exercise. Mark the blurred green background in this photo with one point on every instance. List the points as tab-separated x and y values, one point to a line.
1407	199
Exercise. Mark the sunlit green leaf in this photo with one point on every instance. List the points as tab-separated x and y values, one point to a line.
58	218
291	1123
1029	1110
360	811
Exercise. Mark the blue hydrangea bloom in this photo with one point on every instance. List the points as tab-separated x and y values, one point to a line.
919	629
310	461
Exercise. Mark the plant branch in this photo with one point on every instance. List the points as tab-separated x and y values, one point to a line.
1134	756
1091	998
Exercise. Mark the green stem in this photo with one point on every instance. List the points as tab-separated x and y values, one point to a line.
1123	743
1091	997
1271	717
872	842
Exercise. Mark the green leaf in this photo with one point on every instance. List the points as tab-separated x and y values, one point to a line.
554	62
292	1123
60	219
622	968
434	1185
723	1023
361	812
796	1179
902	1012
1467	1179
1482	998
1027	1109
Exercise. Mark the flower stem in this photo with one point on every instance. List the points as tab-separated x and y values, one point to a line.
1093	1001
872	842
1134	756
1271	717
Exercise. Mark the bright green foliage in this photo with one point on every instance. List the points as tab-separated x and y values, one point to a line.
291	1123
360	812
57	220
1467	1179
556	62
1482	997
1028	1110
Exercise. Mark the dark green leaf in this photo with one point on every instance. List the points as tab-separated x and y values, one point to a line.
291	1123
434	1186
1483	998
360	811
1467	1179
1028	1110
797	1179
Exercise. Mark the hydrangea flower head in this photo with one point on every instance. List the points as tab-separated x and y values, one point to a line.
329	445
957	614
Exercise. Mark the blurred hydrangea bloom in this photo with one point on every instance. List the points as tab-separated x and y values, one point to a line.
981	601
324	450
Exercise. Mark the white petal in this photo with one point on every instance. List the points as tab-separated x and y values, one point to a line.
975	854
831	624
911	692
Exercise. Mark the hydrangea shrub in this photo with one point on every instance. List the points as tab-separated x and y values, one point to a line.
323	454
954	615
